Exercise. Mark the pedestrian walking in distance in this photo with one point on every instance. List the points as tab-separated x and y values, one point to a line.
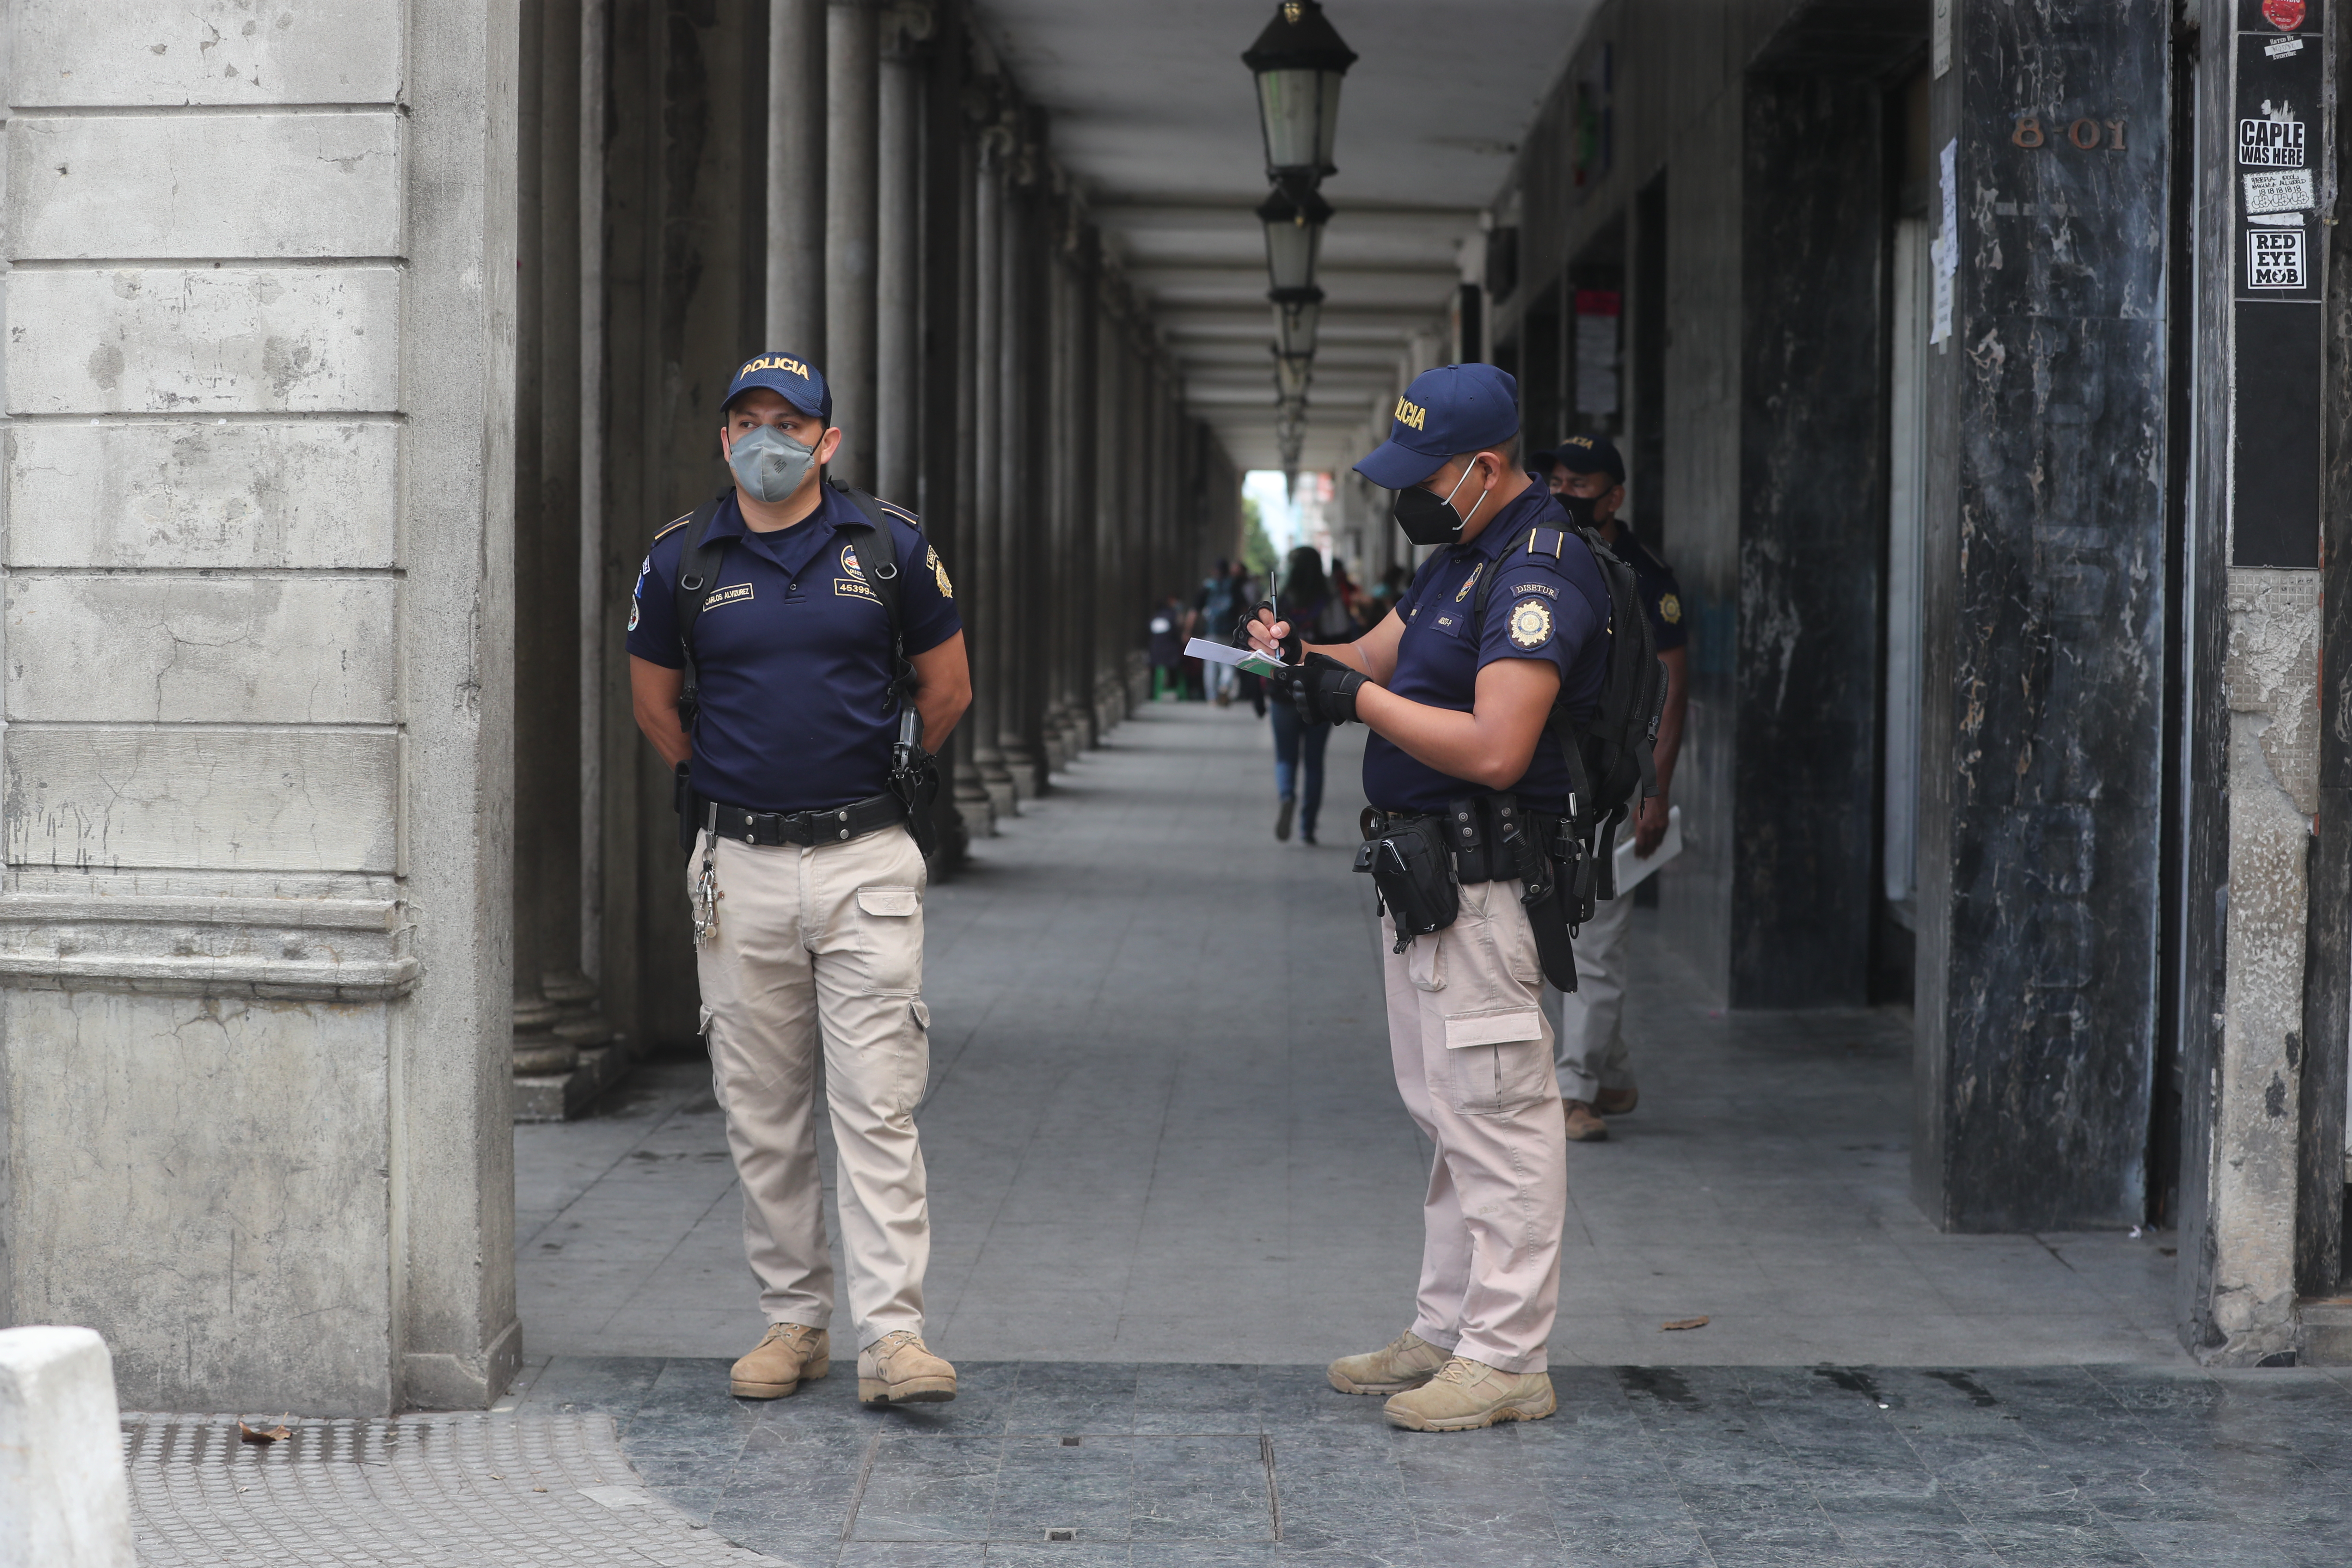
1469	785
1307	598
1596	1078
793	650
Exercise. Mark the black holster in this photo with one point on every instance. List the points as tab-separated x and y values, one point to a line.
1411	865
915	780
689	806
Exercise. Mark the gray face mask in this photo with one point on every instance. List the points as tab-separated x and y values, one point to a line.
768	464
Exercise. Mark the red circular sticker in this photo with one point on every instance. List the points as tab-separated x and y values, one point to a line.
2286	16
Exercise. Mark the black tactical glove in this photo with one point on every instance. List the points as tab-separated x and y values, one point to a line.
1290	645
1323	690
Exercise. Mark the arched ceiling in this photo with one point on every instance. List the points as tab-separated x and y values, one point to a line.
1154	114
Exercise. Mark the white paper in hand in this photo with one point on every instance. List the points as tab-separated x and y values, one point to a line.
1250	659
1633	869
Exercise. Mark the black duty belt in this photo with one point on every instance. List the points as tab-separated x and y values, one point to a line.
1473	829
805	828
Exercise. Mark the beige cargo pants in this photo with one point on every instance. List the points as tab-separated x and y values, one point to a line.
1472	1050
822	948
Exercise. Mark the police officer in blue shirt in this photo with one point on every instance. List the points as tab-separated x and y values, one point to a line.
1458	702
808	884
1595	1080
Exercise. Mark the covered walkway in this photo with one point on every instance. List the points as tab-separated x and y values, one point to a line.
1161	1129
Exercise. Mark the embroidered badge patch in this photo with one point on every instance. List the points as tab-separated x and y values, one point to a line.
1670	608
842	588
1470	582
939	572
633	609
849	564
733	593
1531	623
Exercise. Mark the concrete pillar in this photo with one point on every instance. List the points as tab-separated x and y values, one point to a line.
852	90
985	565
253	976
63	1491
897	271
971	793
562	1051
797	159
2041	748
1013	391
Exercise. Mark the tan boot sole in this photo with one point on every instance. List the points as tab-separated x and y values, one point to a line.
809	1373
1348	1385
1518	1411
914	1390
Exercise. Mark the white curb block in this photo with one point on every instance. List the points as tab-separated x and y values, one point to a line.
62	1487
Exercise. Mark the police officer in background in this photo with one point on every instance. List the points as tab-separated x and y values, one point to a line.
807	881
1595	1082
1458	713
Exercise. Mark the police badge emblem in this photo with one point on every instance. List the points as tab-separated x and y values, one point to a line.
938	572
1670	608
849	564
1531	623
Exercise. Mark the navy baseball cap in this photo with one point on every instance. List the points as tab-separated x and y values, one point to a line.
1452	409
794	380
1589	454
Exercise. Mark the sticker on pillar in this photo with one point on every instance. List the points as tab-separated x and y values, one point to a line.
2274	258
2286	16
2278	191
2274	140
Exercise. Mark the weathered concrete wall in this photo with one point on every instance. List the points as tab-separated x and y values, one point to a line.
255	481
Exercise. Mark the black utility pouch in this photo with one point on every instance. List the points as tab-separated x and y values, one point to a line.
1411	866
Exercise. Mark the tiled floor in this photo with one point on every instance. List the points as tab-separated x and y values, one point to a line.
1080	1465
1162	1129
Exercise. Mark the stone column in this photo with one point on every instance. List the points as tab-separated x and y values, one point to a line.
1085	510
986	565
852	88
971	792
797	158
270	498
897	272
1015	501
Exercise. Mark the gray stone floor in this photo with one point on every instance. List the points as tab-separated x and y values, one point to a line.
1080	1465
1162	1129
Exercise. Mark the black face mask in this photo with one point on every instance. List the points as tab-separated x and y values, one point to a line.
1579	508
1431	520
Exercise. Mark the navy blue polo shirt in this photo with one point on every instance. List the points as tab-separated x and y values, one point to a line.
1544	606
1662	596
793	654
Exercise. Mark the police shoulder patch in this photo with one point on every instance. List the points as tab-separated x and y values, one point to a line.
1531	623
1546	589
938	572
1670	608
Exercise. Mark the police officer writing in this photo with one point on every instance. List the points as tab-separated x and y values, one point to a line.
1467	779
796	645
1595	1079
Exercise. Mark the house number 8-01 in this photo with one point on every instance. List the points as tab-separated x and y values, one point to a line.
2084	135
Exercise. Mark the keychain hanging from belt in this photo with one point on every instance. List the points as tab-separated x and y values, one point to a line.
706	881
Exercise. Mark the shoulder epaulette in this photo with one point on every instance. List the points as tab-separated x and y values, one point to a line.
1545	542
900	512
669	527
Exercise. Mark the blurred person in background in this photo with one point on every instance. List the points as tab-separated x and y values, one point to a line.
1306	601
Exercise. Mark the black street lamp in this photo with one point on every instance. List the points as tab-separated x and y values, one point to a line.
1291	373
1298	312
1293	237
1298	61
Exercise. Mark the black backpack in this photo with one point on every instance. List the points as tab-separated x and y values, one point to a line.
1612	761
875	550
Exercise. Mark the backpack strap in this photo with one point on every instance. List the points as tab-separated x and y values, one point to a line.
876	551
698	575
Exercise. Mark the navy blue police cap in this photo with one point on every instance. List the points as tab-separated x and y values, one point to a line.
1452	409
1589	454
789	377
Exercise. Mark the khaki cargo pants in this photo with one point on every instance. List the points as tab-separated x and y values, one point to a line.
1472	1050
822	948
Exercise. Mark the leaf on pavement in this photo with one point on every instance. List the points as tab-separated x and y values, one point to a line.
1682	1323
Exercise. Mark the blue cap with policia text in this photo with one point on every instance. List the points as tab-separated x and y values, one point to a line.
788	376
1452	409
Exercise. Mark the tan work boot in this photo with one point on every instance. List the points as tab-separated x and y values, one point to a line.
899	1369
1466	1394
1583	1126
788	1356
1616	1102
1406	1361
